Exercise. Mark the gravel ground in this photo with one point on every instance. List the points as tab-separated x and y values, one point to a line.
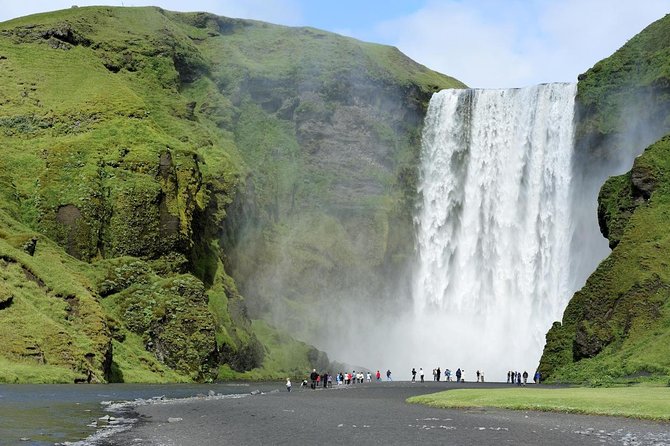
371	414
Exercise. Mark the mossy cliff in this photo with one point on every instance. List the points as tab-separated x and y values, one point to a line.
617	327
158	166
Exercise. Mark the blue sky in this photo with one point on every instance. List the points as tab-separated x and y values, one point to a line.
484	43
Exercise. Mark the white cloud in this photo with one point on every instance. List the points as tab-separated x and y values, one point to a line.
285	12
511	44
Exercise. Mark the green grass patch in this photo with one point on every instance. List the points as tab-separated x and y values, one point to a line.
636	402
29	372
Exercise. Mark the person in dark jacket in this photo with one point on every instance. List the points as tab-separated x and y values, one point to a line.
314	376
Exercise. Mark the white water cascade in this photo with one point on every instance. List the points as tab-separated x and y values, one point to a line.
494	229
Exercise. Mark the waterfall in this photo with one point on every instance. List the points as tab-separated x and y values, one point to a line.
494	227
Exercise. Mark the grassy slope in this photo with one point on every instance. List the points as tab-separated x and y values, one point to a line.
140	123
617	328
315	223
636	402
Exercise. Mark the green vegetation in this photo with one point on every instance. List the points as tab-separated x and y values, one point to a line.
616	328
153	162
636	402
284	357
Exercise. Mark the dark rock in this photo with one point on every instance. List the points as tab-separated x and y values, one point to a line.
6	301
33	278
644	181
66	34
30	246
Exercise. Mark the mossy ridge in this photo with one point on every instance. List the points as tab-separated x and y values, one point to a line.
52	328
613	329
123	138
626	97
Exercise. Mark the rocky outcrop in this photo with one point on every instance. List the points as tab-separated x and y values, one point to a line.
611	329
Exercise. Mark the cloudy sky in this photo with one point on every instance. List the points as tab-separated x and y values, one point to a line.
484	43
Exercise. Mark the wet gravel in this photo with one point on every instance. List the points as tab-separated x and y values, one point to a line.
371	414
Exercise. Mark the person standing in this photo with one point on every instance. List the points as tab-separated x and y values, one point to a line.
458	375
379	376
388	375
438	373
477	375
421	373
447	373
413	375
288	384
525	377
313	376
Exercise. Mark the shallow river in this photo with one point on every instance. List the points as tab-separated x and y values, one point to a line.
36	415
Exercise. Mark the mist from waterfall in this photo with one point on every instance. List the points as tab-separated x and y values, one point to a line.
494	228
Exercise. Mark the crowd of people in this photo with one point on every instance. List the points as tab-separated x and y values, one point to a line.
325	379
519	378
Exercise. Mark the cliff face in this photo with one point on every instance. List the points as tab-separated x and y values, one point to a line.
154	163
616	327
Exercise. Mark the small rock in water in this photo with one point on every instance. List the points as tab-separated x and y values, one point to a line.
211	393
255	392
174	420
105	418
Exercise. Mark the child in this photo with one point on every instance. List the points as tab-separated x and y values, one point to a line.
288	384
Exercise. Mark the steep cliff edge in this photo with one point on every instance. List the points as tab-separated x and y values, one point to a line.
617	327
154	162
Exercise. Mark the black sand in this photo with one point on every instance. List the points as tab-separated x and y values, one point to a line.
372	414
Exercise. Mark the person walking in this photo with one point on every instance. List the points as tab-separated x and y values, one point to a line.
413	375
388	375
379	376
477	375
288	384
458	375
421	373
525	377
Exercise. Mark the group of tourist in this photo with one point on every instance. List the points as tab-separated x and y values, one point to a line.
437	374
325	379
519	378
